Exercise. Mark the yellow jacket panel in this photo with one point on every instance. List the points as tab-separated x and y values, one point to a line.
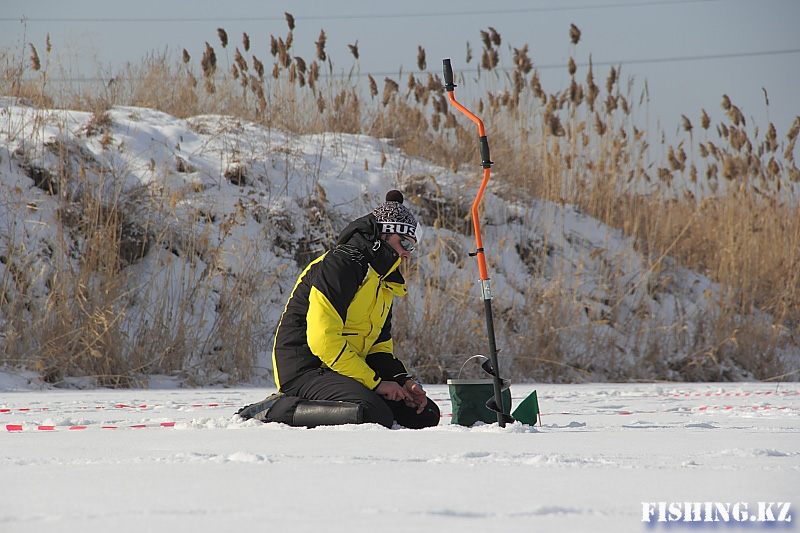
340	309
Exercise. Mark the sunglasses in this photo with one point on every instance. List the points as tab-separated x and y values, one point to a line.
407	245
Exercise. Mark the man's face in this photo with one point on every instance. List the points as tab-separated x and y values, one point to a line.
400	243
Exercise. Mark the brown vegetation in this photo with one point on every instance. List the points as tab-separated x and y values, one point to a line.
717	203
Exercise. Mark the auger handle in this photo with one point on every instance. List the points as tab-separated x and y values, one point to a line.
486	161
447	70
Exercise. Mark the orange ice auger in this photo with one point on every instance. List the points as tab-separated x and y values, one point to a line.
495	403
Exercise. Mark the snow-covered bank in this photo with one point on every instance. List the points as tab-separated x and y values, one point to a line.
179	460
219	215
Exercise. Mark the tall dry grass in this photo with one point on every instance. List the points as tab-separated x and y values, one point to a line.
724	205
78	308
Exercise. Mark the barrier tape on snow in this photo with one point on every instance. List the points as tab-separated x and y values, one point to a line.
682	395
47	428
682	410
720	394
678	410
32	427
441	400
117	406
685	410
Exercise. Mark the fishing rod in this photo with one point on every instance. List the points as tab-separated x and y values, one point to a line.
495	403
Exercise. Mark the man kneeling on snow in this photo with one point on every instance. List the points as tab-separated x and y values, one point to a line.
333	354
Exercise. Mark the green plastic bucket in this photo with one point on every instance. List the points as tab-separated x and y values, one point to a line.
468	397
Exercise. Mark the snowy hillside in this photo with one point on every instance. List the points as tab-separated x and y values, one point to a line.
215	218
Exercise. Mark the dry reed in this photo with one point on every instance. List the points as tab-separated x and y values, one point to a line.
577	146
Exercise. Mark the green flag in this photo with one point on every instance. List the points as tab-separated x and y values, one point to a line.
527	412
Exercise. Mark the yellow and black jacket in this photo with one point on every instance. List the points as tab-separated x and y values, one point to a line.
339	314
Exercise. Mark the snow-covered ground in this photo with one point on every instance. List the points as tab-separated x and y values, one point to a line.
177	459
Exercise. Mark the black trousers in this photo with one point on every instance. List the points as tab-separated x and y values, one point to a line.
325	384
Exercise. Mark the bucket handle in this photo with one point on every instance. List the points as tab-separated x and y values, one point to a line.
482	357
487	367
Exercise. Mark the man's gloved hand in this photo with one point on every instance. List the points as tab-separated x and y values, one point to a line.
392	391
418	397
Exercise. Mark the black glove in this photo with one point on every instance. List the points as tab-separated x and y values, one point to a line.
388	367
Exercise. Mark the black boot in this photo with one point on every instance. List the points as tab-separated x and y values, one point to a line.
313	413
259	410
299	412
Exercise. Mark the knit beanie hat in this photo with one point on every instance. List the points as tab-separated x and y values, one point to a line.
394	217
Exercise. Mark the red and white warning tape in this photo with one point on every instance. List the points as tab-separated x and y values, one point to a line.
681	410
725	394
35	427
119	406
30	427
678	410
